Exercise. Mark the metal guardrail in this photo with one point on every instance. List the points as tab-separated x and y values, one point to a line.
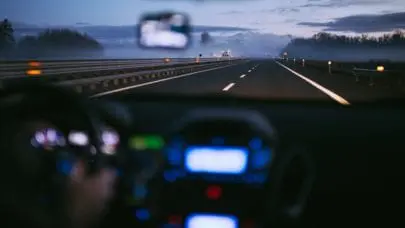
125	75
17	70
13	65
118	79
381	74
92	86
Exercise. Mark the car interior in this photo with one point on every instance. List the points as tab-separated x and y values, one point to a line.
192	161
247	136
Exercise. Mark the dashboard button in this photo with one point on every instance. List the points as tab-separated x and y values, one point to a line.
142	214
174	156
140	191
173	175
255	144
261	158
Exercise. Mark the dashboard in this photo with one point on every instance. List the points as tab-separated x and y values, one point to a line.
213	162
245	163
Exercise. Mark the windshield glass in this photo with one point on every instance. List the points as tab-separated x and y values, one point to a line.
338	50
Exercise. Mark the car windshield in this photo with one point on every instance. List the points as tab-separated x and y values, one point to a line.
338	50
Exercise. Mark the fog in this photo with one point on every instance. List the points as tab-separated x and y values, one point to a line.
247	44
347	54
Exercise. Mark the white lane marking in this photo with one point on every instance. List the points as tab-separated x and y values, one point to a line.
331	94
243	75
249	71
154	82
228	87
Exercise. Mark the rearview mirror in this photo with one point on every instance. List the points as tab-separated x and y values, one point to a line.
164	30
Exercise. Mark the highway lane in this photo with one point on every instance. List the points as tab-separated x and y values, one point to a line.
346	84
207	82
270	80
265	79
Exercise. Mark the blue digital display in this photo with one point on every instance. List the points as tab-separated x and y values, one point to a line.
216	159
211	221
142	214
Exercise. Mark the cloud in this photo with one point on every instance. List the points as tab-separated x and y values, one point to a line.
363	23
387	11
233	12
290	20
82	24
112	32
344	3
246	43
281	10
200	1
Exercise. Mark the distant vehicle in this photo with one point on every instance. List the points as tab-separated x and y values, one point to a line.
226	53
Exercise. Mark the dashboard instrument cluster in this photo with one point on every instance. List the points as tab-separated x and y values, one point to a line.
220	149
216	160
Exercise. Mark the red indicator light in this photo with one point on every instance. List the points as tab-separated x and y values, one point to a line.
214	192
174	220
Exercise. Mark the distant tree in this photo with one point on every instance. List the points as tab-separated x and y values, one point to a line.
398	36
28	47
59	43
324	45
7	40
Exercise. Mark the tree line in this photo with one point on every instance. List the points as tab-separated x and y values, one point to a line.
324	45
50	43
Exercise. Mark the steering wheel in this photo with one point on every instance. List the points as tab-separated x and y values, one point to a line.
38	106
32	167
32	107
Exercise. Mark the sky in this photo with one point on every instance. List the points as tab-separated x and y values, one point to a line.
281	17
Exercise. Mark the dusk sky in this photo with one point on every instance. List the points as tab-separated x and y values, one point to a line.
273	16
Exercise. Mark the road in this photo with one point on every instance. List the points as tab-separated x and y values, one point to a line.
265	79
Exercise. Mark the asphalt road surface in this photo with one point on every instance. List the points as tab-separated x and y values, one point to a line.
266	79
